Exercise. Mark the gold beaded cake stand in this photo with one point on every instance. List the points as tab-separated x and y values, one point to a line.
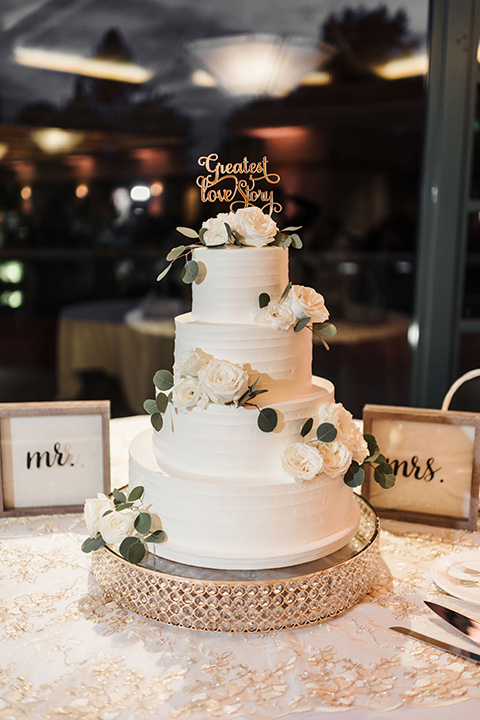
244	600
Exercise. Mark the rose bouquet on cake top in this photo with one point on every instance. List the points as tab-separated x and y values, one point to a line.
336	448
247	227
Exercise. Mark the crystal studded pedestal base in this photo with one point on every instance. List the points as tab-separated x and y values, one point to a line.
244	600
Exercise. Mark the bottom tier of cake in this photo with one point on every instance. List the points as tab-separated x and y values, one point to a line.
237	526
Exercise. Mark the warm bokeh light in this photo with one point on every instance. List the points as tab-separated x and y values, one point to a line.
203	79
13	299
26	192
77	65
56	140
317	78
413	66
156	189
3	150
140	193
81	191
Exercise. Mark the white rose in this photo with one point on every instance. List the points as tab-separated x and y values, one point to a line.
93	511
187	392
216	231
277	314
223	381
337	457
117	525
254	227
306	302
189	363
302	461
348	431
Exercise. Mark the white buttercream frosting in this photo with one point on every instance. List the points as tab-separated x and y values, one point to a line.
226	441
223	524
281	359
231	279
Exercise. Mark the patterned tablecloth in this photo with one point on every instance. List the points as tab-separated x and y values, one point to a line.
66	653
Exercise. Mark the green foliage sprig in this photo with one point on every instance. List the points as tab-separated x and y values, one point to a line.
133	547
283	238
383	472
156	408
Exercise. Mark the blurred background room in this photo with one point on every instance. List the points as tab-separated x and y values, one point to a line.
105	108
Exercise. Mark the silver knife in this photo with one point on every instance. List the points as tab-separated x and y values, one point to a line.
466	625
438	643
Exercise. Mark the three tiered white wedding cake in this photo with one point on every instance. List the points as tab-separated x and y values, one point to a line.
246	468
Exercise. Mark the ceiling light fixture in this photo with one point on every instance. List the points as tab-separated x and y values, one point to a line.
54	141
77	65
260	65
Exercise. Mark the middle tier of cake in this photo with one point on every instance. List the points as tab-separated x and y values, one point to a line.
281	359
225	441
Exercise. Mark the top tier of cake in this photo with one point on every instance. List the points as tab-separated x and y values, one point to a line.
231	279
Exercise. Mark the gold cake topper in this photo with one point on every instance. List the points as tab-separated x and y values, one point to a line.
244	191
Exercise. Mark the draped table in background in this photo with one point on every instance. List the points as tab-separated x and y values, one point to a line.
66	653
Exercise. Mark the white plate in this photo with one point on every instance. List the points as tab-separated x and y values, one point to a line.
448	579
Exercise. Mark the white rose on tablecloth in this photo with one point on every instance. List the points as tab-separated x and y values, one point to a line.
223	381
337	457
348	431
277	314
189	363
254	227
187	392
216	231
302	461
93	511
307	302
117	525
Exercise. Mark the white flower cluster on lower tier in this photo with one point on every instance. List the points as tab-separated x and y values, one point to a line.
202	379
300	302
305	460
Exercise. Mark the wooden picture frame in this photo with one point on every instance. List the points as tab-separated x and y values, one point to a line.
53	455
436	457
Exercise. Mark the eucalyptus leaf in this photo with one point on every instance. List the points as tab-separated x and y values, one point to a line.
125	546
201	233
291	229
286	291
374	458
164	272
188	232
229	232
123	506
327	328
161	402
157	537
381	458
91	544
242	398
354	476
143	523
385	481
190	271
263	299
371	442
163	380
136	493
296	241
254	393
157	421
107	512
384	468
286	243
254	384
301	324
307	426
267	419
176	252
150	406
118	497
326	432
136	552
